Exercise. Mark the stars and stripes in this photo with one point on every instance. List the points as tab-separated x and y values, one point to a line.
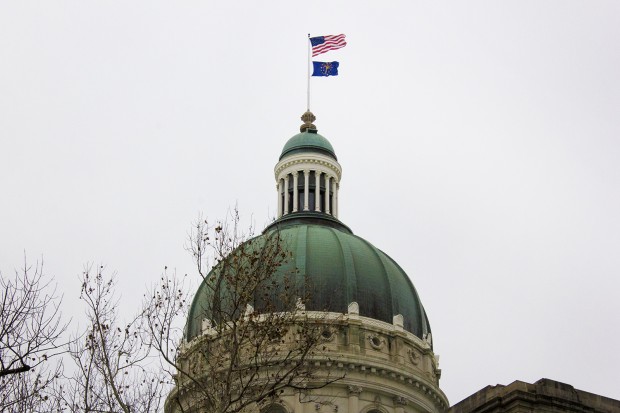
322	44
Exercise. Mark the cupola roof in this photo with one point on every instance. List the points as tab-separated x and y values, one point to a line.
308	140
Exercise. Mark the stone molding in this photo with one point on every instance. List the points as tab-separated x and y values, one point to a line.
311	161
414	371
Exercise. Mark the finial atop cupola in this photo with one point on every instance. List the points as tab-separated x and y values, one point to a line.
308	117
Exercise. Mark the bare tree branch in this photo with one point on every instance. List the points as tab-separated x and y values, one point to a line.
116	371
256	339
30	331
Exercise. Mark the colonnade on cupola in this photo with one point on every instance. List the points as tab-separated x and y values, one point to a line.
306	190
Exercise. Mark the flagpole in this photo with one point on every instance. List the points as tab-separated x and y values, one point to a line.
308	94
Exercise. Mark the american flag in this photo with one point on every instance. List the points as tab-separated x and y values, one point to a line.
324	44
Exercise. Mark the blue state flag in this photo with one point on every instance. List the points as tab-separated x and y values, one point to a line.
325	68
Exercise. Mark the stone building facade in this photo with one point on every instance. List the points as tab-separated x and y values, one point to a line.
544	396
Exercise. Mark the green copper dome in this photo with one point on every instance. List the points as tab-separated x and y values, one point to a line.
308	141
339	268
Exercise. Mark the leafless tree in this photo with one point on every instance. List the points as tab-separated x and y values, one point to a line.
114	370
256	339
31	391
30	333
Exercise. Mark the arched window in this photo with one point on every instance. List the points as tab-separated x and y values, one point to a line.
274	408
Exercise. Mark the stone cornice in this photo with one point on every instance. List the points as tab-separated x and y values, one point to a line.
414	365
421	386
307	161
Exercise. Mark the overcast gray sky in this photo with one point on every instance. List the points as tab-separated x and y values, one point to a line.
478	140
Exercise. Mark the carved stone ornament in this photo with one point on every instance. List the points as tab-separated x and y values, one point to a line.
400	401
437	374
414	357
308	117
355	390
428	337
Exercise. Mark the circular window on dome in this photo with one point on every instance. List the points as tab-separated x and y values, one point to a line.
376	342
328	334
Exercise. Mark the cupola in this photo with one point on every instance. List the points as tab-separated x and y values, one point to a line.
308	173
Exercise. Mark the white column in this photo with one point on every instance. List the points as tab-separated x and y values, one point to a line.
306	188
295	192
285	195
317	191
336	190
327	184
279	189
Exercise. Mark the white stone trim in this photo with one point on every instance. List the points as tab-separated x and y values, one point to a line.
295	191
312	161
279	188
317	190
306	189
328	182
285	209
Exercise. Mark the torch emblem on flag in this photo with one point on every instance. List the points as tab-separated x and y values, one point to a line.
325	68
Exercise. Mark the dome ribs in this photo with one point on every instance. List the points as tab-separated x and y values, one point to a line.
350	282
324	269
381	304
418	322
299	262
